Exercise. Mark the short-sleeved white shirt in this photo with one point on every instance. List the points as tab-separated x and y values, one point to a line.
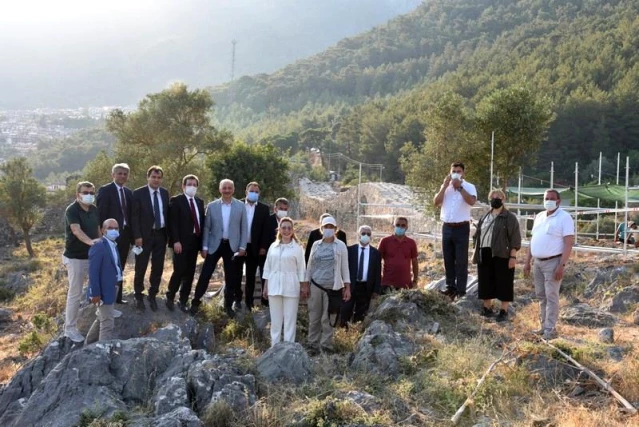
454	207
548	233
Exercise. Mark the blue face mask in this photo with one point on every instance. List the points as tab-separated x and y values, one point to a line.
112	234
400	231
252	196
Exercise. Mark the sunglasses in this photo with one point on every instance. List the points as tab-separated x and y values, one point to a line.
401	225
86	193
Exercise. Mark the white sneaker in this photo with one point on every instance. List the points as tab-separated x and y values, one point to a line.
116	313
74	335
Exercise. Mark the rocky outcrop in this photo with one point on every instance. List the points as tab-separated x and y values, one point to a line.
624	300
285	362
161	371
584	315
380	349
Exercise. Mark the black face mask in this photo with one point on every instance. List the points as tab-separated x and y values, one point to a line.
496	203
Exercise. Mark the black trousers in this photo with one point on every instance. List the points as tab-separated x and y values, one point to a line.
232	286
154	248
124	246
356	308
252	262
183	272
455	251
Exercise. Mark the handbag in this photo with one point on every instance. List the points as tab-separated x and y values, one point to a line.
334	302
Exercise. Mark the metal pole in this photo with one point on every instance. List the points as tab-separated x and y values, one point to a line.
598	205
552	174
519	194
381	168
359	189
616	203
625	240
576	198
492	157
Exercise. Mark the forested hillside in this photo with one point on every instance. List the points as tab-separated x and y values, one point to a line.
371	94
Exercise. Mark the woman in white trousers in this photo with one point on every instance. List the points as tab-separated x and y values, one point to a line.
284	281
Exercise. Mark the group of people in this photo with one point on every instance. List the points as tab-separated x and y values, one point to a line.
100	232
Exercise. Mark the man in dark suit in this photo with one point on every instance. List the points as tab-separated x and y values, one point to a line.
186	223
149	220
316	235
365	267
280	210
257	215
115	201
225	235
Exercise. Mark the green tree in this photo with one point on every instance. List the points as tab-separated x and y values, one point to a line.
22	198
244	163
520	120
172	129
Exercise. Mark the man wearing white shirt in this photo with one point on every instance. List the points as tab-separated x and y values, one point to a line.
552	239
365	268
455	197
186	222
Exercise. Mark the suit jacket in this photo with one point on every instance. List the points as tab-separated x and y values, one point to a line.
142	218
374	277
181	226
260	234
108	201
316	235
271	225
213	226
103	273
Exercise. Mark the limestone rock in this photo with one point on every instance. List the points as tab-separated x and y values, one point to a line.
607	335
171	395
5	315
286	362
584	315
179	417
624	300
379	349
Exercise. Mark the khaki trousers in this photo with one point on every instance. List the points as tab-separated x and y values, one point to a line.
547	291
320	331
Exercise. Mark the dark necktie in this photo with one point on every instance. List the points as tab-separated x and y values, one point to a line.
156	210
123	207
196	224
360	267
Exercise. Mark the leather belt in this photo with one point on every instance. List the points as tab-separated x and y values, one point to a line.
550	257
456	224
224	240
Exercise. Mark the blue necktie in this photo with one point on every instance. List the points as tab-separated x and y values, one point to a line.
360	267
156	210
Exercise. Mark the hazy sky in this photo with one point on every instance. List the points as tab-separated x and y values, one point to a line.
100	52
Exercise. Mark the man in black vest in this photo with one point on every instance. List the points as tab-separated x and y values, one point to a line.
115	201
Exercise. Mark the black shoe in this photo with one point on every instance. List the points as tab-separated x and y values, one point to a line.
460	295
183	307
487	312
229	312
264	302
121	301
195	306
139	305
313	351
237	306
170	304
450	293
153	303
502	316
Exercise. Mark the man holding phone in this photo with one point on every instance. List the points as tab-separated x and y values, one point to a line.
455	197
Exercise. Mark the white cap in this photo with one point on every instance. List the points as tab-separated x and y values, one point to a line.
329	220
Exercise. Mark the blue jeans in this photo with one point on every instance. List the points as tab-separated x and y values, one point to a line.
455	248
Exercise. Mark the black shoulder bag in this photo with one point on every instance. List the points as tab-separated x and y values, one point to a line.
334	302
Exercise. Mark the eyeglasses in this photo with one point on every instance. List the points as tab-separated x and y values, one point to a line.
401	225
86	193
365	234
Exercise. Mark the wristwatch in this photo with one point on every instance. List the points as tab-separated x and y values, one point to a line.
461	187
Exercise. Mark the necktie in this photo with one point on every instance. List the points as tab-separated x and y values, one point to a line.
196	224
360	267
156	210
123	207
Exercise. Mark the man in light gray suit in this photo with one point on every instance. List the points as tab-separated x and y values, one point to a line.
225	235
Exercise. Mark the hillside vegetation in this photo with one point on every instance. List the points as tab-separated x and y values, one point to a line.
581	55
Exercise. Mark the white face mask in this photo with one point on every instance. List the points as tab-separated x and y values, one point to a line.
550	205
455	176
190	190
87	199
281	214
328	233
365	239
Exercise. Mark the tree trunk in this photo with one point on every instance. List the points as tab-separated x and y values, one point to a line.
13	237
27	242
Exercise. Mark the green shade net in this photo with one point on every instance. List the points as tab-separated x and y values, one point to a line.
612	193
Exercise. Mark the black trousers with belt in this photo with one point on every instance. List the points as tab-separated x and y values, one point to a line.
154	248
252	262
356	308
232	288
183	272
124	246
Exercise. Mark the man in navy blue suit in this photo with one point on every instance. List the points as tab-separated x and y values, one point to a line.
150	221
115	201
104	274
365	267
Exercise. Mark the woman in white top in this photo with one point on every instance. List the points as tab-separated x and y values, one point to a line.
284	281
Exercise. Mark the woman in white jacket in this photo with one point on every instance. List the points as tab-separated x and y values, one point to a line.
284	281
